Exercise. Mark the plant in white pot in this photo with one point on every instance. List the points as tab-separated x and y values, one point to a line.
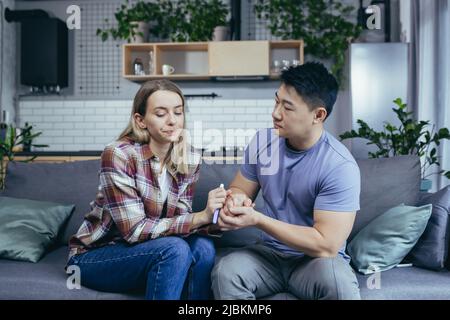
411	137
182	20
133	22
195	20
221	33
219	13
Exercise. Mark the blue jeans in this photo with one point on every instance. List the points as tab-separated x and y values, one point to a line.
168	268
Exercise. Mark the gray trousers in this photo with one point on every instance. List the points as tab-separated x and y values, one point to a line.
259	271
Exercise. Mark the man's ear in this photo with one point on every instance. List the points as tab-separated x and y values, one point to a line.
320	115
139	120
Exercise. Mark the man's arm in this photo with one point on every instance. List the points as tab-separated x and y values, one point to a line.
323	239
243	192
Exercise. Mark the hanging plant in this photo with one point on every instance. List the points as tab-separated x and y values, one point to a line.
323	25
181	21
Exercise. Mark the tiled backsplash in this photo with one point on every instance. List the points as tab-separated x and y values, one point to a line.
76	125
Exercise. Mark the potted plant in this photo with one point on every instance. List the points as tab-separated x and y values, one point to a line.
221	31
10	145
195	20
411	137
28	136
323	25
133	22
184	20
181	21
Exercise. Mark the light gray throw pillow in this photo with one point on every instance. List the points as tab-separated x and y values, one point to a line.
387	239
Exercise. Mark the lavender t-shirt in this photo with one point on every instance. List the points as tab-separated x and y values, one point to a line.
294	183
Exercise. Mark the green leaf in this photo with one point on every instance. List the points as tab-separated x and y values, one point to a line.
410	138
433	152
443	133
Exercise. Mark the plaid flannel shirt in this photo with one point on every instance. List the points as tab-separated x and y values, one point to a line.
127	206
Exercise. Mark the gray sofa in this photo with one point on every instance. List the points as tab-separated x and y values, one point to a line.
385	183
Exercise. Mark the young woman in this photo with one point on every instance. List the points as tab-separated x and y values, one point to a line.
141	232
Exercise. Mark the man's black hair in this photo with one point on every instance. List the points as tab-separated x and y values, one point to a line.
314	83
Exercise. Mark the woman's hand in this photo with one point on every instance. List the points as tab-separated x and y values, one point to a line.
216	200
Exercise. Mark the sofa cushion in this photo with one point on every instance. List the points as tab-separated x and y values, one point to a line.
29	227
408	283
393	284
431	250
388	238
386	183
70	182
46	279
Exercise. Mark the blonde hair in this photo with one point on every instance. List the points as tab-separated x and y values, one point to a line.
178	153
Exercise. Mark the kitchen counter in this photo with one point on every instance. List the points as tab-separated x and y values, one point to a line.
231	156
93	153
60	154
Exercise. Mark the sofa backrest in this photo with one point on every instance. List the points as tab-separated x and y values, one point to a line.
68	183
385	183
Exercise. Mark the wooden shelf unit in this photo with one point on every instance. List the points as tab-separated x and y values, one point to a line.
209	60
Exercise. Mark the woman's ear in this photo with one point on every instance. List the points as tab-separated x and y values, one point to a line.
140	121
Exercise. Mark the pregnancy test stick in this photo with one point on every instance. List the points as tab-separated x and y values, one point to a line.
216	212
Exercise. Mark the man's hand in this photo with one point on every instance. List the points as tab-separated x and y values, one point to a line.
236	200
239	217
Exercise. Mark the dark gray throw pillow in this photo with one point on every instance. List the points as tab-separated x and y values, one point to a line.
431	251
70	182
28	227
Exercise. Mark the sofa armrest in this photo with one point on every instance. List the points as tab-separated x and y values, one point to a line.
423	196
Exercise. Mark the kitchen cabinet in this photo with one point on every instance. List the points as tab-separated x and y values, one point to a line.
213	60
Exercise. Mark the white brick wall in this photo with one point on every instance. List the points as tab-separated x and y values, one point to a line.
90	125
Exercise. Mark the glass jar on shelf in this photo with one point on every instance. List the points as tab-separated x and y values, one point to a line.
138	67
151	63
275	67
295	62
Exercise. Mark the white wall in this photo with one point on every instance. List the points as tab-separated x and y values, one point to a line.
75	125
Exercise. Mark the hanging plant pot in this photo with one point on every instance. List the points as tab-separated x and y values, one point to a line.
426	185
